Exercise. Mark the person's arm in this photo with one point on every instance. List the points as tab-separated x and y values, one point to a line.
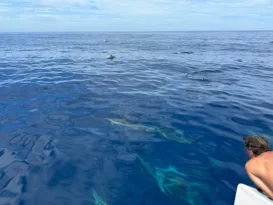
251	169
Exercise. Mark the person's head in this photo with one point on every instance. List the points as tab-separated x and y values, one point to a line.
256	145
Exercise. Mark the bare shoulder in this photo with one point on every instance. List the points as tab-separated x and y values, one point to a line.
257	164
251	164
254	164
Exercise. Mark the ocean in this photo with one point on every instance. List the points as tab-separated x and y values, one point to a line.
161	123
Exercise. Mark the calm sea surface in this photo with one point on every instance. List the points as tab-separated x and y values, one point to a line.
162	123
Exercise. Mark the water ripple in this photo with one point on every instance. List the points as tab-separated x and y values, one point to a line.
182	100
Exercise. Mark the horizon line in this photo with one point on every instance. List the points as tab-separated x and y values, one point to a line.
152	31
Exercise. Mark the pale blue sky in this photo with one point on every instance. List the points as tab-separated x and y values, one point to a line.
135	15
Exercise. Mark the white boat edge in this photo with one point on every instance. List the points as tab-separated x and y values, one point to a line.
246	195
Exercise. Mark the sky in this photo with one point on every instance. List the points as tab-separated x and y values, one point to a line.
135	15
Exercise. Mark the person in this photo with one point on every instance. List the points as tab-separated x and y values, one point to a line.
260	166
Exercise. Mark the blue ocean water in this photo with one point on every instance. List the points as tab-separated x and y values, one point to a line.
162	123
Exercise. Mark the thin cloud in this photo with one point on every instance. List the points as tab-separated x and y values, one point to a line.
65	2
137	15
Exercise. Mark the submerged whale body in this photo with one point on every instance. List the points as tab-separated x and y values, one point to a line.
98	200
174	183
169	134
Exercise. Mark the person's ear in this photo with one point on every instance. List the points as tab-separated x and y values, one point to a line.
251	154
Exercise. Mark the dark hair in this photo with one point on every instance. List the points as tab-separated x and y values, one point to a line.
257	144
